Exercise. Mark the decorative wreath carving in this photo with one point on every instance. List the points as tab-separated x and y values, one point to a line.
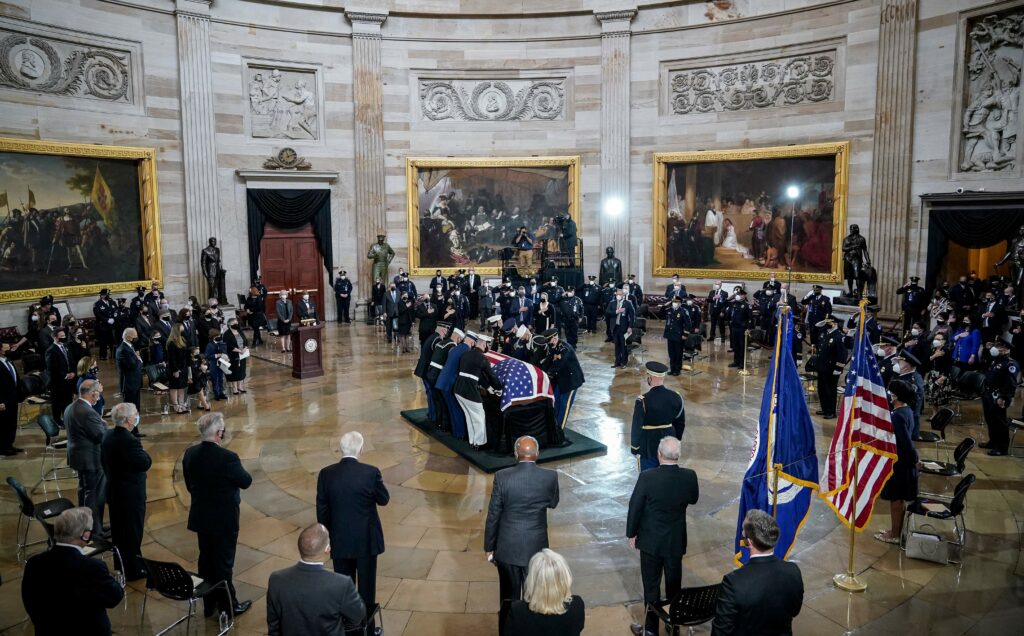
492	100
85	72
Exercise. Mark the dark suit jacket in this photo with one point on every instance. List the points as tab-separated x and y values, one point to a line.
84	586
517	517
347	496
58	365
45	338
657	510
129	367
623	321
759	599
9	394
214	475
125	463
85	433
391	306
311	599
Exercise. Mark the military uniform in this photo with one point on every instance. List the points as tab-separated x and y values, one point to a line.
1000	384
591	296
105	312
676	326
913	302
438	357
739	321
831	358
634	293
475	373
718	302
818	306
562	365
570	308
426	353
656	414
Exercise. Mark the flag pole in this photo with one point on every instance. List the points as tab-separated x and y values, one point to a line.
849	580
746	352
783	312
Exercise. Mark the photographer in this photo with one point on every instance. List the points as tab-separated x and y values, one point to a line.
524	243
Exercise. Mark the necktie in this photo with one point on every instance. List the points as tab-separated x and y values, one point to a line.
618	316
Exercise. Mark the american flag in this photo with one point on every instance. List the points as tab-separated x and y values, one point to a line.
865	430
523	382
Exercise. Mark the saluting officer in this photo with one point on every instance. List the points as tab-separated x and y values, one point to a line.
656	414
831	358
914	302
871	326
591	296
997	393
739	321
570	309
818	306
676	328
343	296
105	312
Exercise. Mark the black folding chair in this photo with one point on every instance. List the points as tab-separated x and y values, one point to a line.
55	448
692	606
1015	426
943	509
954	469
938	424
30	511
172	581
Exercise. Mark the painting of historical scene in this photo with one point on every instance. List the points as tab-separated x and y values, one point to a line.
283	103
990	122
69	221
751	216
463	213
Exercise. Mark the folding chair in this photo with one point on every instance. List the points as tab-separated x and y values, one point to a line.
31	510
938	423
172	581
941	508
55	447
33	387
1015	426
692	606
156	378
954	469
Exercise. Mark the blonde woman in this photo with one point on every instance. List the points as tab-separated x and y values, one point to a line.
548	608
88	369
177	368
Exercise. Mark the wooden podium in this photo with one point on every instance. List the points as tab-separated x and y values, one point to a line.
307	355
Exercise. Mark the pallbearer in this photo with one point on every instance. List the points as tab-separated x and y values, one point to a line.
656	414
562	366
426	353
475	372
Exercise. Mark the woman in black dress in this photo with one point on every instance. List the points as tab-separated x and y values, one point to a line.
237	345
548	608
406	317
177	368
902	486
544	315
256	312
285	311
199	378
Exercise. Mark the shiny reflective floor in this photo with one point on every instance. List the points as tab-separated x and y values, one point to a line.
434	579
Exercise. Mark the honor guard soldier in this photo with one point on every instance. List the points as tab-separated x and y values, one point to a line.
105	312
426	354
656	414
818	306
718	303
438	357
676	328
570	310
914	302
475	373
771	285
633	292
996	394
831	358
740	317
343	296
591	296
562	365
871	326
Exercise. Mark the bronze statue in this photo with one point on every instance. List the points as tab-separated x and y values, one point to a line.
856	261
381	254
1015	254
611	268
209	262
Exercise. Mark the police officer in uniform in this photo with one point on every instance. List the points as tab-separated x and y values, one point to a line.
570	309
461	306
914	302
591	296
105	312
562	365
343	296
633	291
996	394
554	291
676	327
718	303
607	295
740	316
871	326
656	414
831	358
137	303
818	306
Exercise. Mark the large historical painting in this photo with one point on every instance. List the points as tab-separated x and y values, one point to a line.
750	213
76	218
464	212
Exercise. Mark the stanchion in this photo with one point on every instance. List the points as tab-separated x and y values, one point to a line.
746	352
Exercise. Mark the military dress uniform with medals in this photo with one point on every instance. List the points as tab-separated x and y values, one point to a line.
438	356
105	312
818	306
423	364
562	365
656	414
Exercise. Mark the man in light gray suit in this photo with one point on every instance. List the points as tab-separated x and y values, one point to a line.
85	434
517	519
308	598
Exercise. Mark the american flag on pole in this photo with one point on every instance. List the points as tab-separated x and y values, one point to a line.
864	438
523	382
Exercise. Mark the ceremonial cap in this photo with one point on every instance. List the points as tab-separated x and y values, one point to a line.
509	325
656	369
522	331
472	334
592	277
1003	341
104	292
906	356
830	317
444	323
539	341
458	332
872	308
493	320
914	279
818	287
487	339
889	340
549	333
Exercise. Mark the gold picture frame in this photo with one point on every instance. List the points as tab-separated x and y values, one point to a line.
413	166
682	161
148	210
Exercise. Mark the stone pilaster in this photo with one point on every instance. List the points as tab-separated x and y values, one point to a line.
888	227
367	85
198	133
615	201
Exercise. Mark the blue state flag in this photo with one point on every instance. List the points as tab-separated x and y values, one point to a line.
784	445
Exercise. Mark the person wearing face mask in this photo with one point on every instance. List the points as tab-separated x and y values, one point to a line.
656	414
562	366
916	341
255	311
392	300
88	369
907	371
125	464
590	294
145	326
135	307
439	281
938	387
1008	301
103	311
10	400
475	372
216	351
913	303
1001	380
962	295
45	335
238	353
607	296
306	309
634	293
285	312
129	369
675	288
886	352
543	314
570	310
718	302
966	345
377	293
991	317
521	308
902	485
677	323
832	357
343	296
620	315
404	320
61	375
818	306
405	285
461	306
740	317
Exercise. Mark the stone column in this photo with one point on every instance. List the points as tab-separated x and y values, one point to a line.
368	88
198	134
888	225
615	33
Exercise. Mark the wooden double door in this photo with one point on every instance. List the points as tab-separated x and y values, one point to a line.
290	259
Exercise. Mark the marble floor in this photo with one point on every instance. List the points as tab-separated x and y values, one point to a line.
433	578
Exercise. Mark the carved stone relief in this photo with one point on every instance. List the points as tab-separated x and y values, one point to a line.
753	85
492	100
283	102
722	10
40	64
990	120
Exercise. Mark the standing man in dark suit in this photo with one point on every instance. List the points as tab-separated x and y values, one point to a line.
10	399
765	595
125	464
347	496
656	525
85	433
82	583
213	476
307	598
62	375
391	304
517	519
129	369
473	289
620	314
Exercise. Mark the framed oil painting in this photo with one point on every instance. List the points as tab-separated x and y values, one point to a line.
749	213
75	218
464	211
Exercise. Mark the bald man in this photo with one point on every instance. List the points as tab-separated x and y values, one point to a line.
308	598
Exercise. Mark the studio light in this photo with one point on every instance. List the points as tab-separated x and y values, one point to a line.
792	192
614	206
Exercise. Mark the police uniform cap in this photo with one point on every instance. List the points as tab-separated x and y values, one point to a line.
141	288
554	279
890	340
914	279
906	356
104	292
872	308
45	300
656	369
1003	341
550	333
592	277
829	318
818	287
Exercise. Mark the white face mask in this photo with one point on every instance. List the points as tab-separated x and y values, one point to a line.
897	368
689	302
915	332
879	351
994	352
305	297
937	344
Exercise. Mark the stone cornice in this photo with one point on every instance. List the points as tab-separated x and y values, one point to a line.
366	23
615	23
197	8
